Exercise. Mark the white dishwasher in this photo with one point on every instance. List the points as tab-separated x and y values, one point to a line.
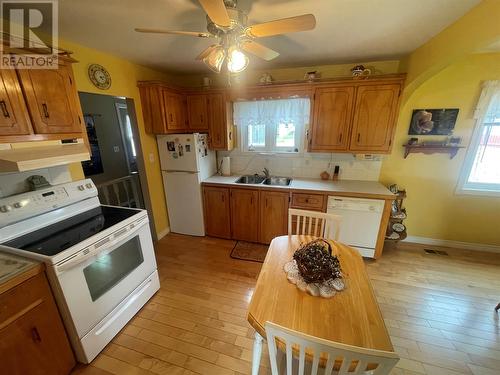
360	222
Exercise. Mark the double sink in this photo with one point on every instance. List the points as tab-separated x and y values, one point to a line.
257	180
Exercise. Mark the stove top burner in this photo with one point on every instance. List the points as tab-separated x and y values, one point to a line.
62	235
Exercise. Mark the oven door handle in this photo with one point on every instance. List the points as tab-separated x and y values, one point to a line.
118	236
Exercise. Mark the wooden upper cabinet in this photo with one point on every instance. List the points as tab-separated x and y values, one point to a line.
14	117
52	99
197	110
331	119
374	117
174	111
245	214
153	109
273	215
220	117
217	212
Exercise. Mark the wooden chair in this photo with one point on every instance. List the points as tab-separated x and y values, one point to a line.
348	360
313	223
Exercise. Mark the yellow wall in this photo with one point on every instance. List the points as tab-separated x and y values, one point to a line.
476	30
251	76
434	210
124	77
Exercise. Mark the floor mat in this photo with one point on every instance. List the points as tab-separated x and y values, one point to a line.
249	251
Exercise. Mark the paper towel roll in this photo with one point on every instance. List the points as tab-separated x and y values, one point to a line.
226	166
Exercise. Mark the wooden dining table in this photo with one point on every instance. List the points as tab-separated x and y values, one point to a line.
351	316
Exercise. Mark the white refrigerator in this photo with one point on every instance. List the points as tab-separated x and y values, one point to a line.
185	162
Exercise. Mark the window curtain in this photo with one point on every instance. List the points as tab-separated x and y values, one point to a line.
272	112
479	169
488	105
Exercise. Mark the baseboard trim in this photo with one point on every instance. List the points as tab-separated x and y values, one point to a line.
456	244
163	233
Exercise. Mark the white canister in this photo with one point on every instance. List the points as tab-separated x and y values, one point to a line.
226	166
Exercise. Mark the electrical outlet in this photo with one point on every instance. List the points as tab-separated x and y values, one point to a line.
116	149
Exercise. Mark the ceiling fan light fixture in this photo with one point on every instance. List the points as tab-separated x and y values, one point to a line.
237	61
215	59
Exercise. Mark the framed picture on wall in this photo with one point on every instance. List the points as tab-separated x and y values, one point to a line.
433	121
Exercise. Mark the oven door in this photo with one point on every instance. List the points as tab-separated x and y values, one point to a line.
95	281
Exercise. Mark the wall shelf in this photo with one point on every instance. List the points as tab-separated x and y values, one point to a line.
431	149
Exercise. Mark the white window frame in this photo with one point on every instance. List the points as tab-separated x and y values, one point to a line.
270	140
464	186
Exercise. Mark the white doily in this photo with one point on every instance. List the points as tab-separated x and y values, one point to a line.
326	289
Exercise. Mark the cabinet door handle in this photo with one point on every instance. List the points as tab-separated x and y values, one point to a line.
171	118
266	202
45	110
340	137
35	335
359	136
5	111
222	198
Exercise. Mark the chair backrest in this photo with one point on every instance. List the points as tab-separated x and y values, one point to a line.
313	223
340	359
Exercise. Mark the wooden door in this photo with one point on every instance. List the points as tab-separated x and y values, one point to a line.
217	121
52	99
245	214
273	215
174	111
217	212
14	117
375	114
332	118
197	110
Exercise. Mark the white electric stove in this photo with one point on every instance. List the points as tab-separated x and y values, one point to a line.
100	259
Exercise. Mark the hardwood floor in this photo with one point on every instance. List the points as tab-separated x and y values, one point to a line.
439	310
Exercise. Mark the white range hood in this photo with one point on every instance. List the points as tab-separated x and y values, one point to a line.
29	158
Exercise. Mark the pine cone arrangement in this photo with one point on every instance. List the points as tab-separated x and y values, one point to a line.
316	262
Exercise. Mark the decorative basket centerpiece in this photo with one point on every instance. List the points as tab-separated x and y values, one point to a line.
315	269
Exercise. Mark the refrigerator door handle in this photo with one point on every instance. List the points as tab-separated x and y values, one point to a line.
177	171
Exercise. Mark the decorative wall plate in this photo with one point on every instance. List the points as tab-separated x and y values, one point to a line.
99	76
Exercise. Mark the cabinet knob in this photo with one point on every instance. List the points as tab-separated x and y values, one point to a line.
45	110
359	137
5	111
35	335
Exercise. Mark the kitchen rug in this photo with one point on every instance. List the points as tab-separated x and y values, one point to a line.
249	251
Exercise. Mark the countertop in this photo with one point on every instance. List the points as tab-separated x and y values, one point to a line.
15	269
355	188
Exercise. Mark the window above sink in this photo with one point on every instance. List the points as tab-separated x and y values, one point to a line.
272	125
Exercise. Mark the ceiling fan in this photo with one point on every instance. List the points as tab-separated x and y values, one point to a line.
228	24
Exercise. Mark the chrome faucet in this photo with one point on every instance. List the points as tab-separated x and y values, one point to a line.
266	172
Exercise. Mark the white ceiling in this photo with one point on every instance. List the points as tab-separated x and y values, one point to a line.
346	31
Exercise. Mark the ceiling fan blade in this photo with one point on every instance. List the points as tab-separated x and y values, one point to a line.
161	31
217	12
206	52
259	50
282	26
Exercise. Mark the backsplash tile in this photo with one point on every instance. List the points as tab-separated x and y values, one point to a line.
307	165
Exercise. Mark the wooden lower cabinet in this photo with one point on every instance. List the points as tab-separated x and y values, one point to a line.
245	214
32	336
217	212
273	215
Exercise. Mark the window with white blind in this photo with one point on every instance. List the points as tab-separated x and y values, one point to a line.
481	170
272	125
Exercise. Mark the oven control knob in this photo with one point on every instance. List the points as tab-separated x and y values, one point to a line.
89	186
81	187
5	208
